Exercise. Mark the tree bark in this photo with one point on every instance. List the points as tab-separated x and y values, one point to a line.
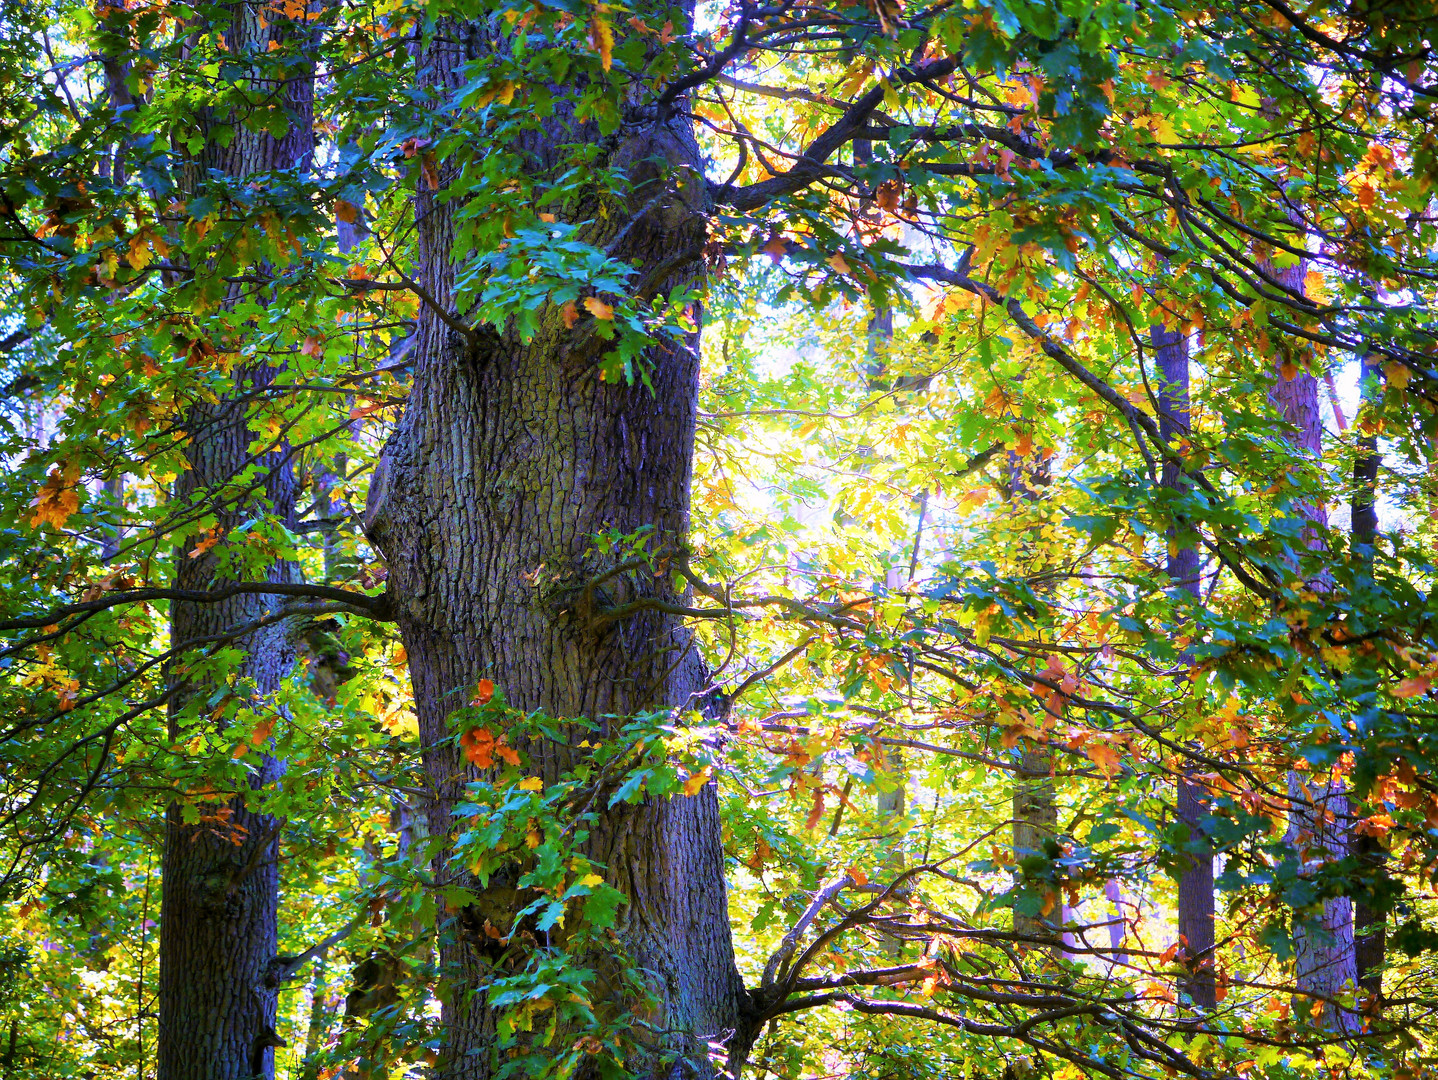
509	457
1195	884
1035	795
219	912
1318	813
1369	921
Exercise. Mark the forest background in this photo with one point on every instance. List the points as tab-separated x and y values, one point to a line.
561	538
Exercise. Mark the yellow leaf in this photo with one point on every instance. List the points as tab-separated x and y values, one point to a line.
531	783
1398	375
857	76
139	254
601	39
838	262
697	781
598	308
591	880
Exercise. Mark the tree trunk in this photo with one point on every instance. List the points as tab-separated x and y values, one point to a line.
1035	805
509	458
1195	884
219	912
1369	921
1318	812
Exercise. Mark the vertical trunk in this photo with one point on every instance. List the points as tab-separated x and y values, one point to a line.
510	456
1318	814
1195	885
1035	805
1369	930
219	911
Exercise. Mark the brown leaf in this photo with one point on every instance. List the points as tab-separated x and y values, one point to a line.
817	811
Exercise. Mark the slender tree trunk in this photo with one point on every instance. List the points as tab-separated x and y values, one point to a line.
1318	812
508	459
1195	885
1035	795
1369	922
219	912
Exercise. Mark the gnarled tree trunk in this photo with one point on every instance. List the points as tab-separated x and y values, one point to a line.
510	456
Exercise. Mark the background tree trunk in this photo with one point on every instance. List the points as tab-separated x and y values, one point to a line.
1369	921
1195	885
508	459
1318	814
1035	795
219	913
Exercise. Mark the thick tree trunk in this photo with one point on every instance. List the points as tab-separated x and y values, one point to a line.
219	913
508	459
1195	884
1369	922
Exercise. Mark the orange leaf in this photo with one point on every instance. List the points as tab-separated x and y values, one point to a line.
838	262
262	730
211	538
817	812
696	781
1105	757
1412	687
483	692
598	308
860	878
776	248
506	752
313	346
430	171
478	746
346	211
570	314
58	498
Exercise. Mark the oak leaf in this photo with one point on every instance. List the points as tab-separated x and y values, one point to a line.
598	308
58	498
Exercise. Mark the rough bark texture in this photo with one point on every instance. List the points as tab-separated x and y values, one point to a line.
219	914
508	459
1195	885
1369	922
1318	817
